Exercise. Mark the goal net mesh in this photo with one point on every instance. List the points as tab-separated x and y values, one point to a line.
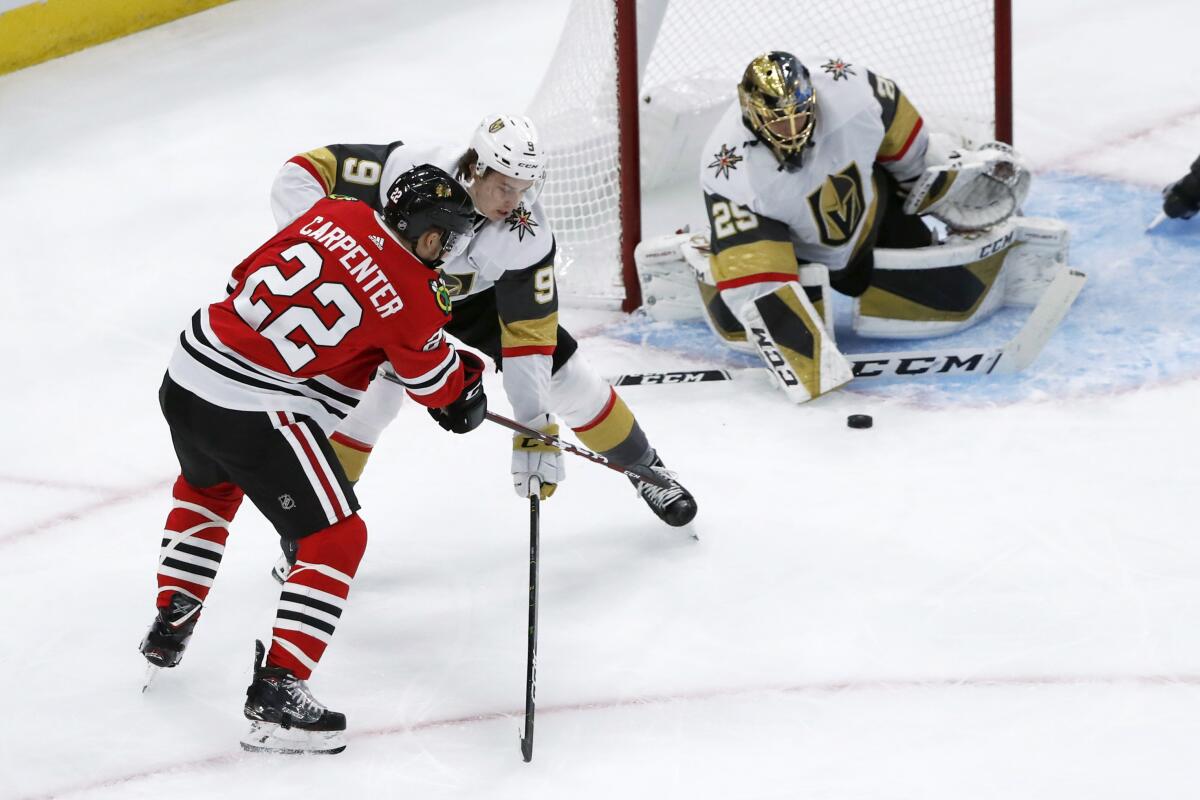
939	52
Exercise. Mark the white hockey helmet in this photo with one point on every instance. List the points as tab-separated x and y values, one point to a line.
509	145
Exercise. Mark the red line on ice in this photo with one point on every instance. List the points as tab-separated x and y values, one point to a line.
826	687
1074	161
114	498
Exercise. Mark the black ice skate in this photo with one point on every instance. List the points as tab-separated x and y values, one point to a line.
674	505
168	636
285	717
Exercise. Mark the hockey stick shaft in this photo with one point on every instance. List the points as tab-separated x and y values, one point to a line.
531	649
637	472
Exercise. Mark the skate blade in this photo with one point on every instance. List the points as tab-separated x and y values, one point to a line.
1158	220
151	672
270	737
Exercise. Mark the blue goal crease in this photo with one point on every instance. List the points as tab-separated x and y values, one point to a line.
1136	323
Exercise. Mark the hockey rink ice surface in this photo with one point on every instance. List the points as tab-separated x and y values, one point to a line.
993	593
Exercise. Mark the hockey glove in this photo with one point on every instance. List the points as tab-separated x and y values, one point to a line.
466	412
535	463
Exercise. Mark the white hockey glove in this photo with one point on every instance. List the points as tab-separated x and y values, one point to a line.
975	189
535	463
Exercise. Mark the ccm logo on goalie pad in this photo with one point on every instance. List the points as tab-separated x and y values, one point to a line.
774	358
921	365
991	248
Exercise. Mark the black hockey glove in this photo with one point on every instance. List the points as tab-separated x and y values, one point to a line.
466	412
1181	200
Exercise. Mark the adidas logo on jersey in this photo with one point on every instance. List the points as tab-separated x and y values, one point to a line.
378	240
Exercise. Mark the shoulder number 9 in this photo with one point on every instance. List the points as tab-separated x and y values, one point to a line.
543	284
361	171
730	218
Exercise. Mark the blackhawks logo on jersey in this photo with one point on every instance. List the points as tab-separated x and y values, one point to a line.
725	159
521	220
441	294
838	69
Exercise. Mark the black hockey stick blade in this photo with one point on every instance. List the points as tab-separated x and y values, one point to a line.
531	650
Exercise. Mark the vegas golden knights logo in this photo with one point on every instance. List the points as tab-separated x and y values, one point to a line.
458	285
837	207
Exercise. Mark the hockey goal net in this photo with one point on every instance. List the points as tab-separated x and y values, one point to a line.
668	69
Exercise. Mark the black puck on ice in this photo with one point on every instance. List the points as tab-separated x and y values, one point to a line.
859	421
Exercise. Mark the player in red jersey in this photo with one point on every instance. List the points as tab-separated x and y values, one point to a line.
256	384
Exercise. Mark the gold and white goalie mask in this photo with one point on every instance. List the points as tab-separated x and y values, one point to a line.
779	105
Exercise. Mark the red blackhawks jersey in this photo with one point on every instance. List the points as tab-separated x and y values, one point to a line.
311	316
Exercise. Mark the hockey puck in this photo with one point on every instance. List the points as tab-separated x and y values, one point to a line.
859	421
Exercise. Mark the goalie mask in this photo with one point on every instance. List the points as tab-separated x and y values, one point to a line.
427	197
509	145
779	105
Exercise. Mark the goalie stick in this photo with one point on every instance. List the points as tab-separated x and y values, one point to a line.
638	472
1010	357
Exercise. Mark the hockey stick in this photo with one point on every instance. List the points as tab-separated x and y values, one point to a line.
531	650
639	472
1011	357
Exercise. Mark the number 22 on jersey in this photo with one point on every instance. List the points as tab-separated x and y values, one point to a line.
255	312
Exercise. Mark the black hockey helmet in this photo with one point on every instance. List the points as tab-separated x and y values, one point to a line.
427	197
779	104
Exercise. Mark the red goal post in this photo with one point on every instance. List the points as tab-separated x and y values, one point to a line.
635	86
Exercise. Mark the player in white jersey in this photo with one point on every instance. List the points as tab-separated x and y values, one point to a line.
505	303
805	175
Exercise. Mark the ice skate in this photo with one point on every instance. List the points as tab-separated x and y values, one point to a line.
164	643
674	505
285	717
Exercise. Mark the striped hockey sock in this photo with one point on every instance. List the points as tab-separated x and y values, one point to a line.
312	598
194	539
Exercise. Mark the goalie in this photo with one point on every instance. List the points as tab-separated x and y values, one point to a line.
816	181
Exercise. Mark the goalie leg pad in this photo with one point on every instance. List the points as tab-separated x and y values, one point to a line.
941	290
721	320
725	325
666	276
788	333
934	291
815	280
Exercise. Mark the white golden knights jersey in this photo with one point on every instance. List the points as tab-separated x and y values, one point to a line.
514	257
764	219
311	316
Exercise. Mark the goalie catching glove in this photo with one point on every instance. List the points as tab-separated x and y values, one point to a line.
975	189
467	411
535	463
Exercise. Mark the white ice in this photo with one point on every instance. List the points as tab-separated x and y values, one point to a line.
984	596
